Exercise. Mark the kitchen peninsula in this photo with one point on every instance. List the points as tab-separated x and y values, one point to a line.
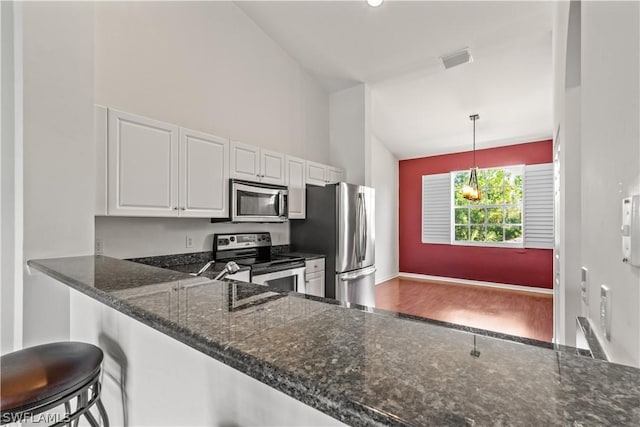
358	367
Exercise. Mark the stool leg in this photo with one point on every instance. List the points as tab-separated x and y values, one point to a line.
88	415
103	413
67	409
79	404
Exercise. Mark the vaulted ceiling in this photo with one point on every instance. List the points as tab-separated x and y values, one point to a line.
419	108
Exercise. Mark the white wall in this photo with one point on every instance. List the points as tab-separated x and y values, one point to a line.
611	164
207	66
385	182
137	237
10	180
350	132
59	178
567	249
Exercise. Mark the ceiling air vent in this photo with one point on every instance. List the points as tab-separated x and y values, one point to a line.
456	58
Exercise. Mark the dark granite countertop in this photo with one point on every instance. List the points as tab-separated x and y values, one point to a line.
361	367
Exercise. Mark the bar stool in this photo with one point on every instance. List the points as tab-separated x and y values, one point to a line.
37	379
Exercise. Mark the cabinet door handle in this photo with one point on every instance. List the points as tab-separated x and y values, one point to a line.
175	208
183	209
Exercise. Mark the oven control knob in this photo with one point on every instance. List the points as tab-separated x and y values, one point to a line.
232	238
268	238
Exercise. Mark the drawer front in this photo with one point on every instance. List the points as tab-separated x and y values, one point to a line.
314	265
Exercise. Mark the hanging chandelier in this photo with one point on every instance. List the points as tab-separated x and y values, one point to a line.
471	191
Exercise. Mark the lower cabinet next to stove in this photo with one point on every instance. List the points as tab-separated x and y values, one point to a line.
314	277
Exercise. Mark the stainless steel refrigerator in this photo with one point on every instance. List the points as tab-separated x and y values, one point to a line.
340	223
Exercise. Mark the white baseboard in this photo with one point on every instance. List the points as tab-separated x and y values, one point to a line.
392	276
478	283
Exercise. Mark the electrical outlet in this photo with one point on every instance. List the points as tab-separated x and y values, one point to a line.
605	311
99	249
188	241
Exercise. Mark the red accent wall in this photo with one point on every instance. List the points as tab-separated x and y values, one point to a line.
527	267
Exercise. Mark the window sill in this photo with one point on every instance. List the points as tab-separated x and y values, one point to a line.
518	245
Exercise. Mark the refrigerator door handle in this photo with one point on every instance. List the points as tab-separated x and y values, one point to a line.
349	277
358	229
365	226
360	215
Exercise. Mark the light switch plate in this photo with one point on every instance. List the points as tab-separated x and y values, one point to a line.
99	249
631	230
584	285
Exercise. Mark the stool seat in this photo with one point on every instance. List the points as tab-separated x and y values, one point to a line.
39	374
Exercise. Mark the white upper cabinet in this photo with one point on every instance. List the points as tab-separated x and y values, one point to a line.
296	182
316	173
158	169
272	167
245	161
252	163
142	166
335	174
319	174
204	175
146	167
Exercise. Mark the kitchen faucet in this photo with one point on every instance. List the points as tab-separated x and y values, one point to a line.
230	268
203	269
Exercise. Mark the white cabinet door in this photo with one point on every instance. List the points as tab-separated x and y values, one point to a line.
315	284
244	161
295	181
334	175
204	175
142	167
316	173
271	167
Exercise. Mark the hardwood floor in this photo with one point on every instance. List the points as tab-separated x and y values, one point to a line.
524	314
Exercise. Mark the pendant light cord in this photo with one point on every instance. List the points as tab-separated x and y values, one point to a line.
474	117
474	142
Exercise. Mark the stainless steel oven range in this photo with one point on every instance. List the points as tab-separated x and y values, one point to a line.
254	250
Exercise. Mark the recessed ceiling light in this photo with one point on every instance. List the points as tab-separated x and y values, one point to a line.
374	3
456	58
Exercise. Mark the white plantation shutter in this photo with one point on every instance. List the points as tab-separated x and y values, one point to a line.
538	206
436	208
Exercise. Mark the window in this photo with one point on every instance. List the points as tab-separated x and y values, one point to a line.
516	208
495	219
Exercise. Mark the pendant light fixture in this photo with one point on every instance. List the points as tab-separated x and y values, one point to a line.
471	191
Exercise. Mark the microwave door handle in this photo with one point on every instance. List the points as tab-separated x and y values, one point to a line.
280	204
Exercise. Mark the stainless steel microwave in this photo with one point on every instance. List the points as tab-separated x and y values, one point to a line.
256	202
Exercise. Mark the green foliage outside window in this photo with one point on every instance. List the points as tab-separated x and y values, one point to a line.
497	216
